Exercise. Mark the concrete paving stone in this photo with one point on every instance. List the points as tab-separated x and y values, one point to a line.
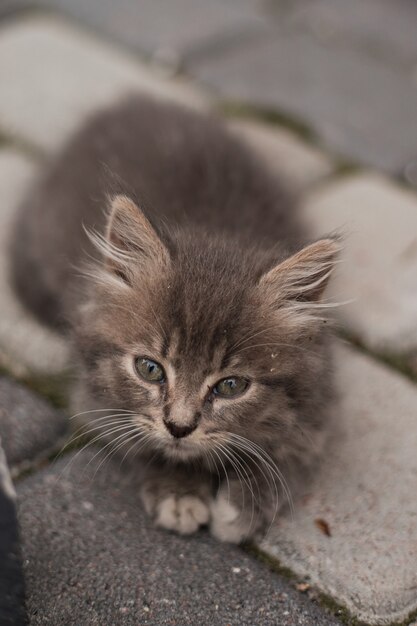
362	108
29	427
92	557
53	74
299	164
381	28
355	534
9	7
167	29
24	343
379	262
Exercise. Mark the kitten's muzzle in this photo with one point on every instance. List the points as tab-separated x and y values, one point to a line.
180	431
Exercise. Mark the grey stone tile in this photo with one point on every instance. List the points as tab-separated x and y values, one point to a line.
170	29
365	493
71	75
92	557
299	164
24	343
8	8
380	28
361	108
377	275
29	426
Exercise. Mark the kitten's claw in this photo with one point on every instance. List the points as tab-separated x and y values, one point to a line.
184	514
227	523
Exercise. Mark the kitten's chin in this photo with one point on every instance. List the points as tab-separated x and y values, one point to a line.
181	450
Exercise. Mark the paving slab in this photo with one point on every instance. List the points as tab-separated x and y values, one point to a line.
91	556
379	263
24	343
65	73
363	24
167	29
9	7
299	164
361	107
355	534
29	427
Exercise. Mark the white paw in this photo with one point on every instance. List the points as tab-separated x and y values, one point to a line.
183	514
226	521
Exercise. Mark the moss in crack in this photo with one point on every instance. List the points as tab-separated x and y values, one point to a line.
267	115
21	144
341	612
271	562
349	620
75	442
325	601
344	167
53	387
399	362
3	140
409	620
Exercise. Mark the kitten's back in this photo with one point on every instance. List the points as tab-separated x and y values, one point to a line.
184	169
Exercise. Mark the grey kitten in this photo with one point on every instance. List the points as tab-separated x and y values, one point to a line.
196	322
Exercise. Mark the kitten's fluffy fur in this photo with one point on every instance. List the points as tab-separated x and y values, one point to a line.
214	282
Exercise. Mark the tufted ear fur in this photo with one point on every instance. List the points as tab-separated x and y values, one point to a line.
302	278
130	242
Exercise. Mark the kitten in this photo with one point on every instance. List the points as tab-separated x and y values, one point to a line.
196	325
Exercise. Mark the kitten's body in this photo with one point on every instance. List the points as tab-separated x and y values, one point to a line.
180	168
210	290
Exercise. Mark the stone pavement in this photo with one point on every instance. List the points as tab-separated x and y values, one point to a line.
355	536
347	69
30	428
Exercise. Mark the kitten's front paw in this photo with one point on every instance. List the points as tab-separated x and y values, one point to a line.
182	513
227	522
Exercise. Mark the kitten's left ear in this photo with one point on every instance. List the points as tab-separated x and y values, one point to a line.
303	276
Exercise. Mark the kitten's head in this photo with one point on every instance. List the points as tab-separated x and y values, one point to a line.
205	345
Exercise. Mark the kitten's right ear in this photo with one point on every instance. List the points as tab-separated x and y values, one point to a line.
130	241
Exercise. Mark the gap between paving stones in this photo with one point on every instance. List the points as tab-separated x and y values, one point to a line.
314	593
20	144
274	117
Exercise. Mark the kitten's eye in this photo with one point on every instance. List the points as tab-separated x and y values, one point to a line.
149	370
230	387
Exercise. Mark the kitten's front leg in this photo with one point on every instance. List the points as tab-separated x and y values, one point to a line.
177	500
243	509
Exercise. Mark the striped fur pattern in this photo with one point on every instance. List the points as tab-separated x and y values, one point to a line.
188	253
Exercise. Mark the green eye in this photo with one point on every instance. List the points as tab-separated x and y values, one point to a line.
230	387
149	370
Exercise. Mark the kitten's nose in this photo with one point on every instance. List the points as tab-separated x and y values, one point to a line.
180	431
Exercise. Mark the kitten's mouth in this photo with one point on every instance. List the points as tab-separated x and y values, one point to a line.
183	449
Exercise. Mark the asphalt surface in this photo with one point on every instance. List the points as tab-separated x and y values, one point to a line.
92	557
